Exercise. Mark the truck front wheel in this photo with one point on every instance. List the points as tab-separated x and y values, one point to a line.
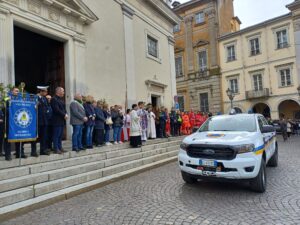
259	183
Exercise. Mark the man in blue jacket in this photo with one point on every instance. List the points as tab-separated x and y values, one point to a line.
59	118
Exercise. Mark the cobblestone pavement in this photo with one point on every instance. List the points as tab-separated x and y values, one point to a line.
159	196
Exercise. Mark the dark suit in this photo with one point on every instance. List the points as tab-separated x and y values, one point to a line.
44	116
58	121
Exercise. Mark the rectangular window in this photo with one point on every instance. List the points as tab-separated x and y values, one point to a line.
176	28
202	57
254	44
257	82
199	18
204	106
285	77
181	103
178	65
282	39
230	53
152	46
233	85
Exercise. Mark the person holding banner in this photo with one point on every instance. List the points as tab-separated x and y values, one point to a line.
7	147
58	120
20	121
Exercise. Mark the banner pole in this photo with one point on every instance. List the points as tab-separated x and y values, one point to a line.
20	149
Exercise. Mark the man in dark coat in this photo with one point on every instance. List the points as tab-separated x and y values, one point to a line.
99	124
44	116
58	120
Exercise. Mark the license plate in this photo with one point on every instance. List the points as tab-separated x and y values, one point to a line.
209	163
208	173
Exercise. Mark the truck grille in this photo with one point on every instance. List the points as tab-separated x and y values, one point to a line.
211	152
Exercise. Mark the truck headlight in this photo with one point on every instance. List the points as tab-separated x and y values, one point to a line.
244	148
184	146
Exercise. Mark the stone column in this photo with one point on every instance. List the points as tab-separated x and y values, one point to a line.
212	29
189	43
6	48
128	14
172	69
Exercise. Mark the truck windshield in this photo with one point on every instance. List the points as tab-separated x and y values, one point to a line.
230	123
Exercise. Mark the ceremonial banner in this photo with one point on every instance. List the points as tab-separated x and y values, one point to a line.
22	119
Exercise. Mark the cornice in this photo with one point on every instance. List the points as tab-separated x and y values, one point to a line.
127	11
165	11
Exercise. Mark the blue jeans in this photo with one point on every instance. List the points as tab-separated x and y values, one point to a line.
77	137
107	135
89	136
57	134
117	133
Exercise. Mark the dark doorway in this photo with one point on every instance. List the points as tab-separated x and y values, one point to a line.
290	109
263	109
154	101
38	60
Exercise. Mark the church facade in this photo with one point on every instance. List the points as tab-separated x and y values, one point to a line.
118	50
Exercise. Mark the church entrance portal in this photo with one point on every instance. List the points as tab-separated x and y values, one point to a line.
38	60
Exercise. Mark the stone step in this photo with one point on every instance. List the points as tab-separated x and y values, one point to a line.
55	185
85	158
61	170
24	181
14	172
62	174
50	166
11	197
22	207
70	154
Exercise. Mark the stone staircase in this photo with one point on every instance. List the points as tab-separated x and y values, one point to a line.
32	183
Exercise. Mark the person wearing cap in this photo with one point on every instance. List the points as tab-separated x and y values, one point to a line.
44	117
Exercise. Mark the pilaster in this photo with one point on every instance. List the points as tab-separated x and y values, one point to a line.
128	14
212	29
172	67
189	43
6	47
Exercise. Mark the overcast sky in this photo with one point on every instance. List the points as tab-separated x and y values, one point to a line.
252	12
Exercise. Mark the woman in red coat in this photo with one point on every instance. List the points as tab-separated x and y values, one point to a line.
192	120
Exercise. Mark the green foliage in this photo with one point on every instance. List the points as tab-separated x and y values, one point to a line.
3	93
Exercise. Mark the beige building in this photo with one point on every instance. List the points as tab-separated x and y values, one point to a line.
196	52
259	66
120	50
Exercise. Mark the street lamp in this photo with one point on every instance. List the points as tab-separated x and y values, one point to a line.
230	95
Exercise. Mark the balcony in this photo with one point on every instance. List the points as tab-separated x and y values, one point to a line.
258	94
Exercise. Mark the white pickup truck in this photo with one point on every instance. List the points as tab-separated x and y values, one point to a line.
230	147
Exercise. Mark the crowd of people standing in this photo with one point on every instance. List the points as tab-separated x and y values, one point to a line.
94	123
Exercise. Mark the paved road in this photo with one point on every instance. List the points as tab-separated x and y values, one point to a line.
160	196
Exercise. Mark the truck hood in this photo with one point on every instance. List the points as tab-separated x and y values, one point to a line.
221	138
